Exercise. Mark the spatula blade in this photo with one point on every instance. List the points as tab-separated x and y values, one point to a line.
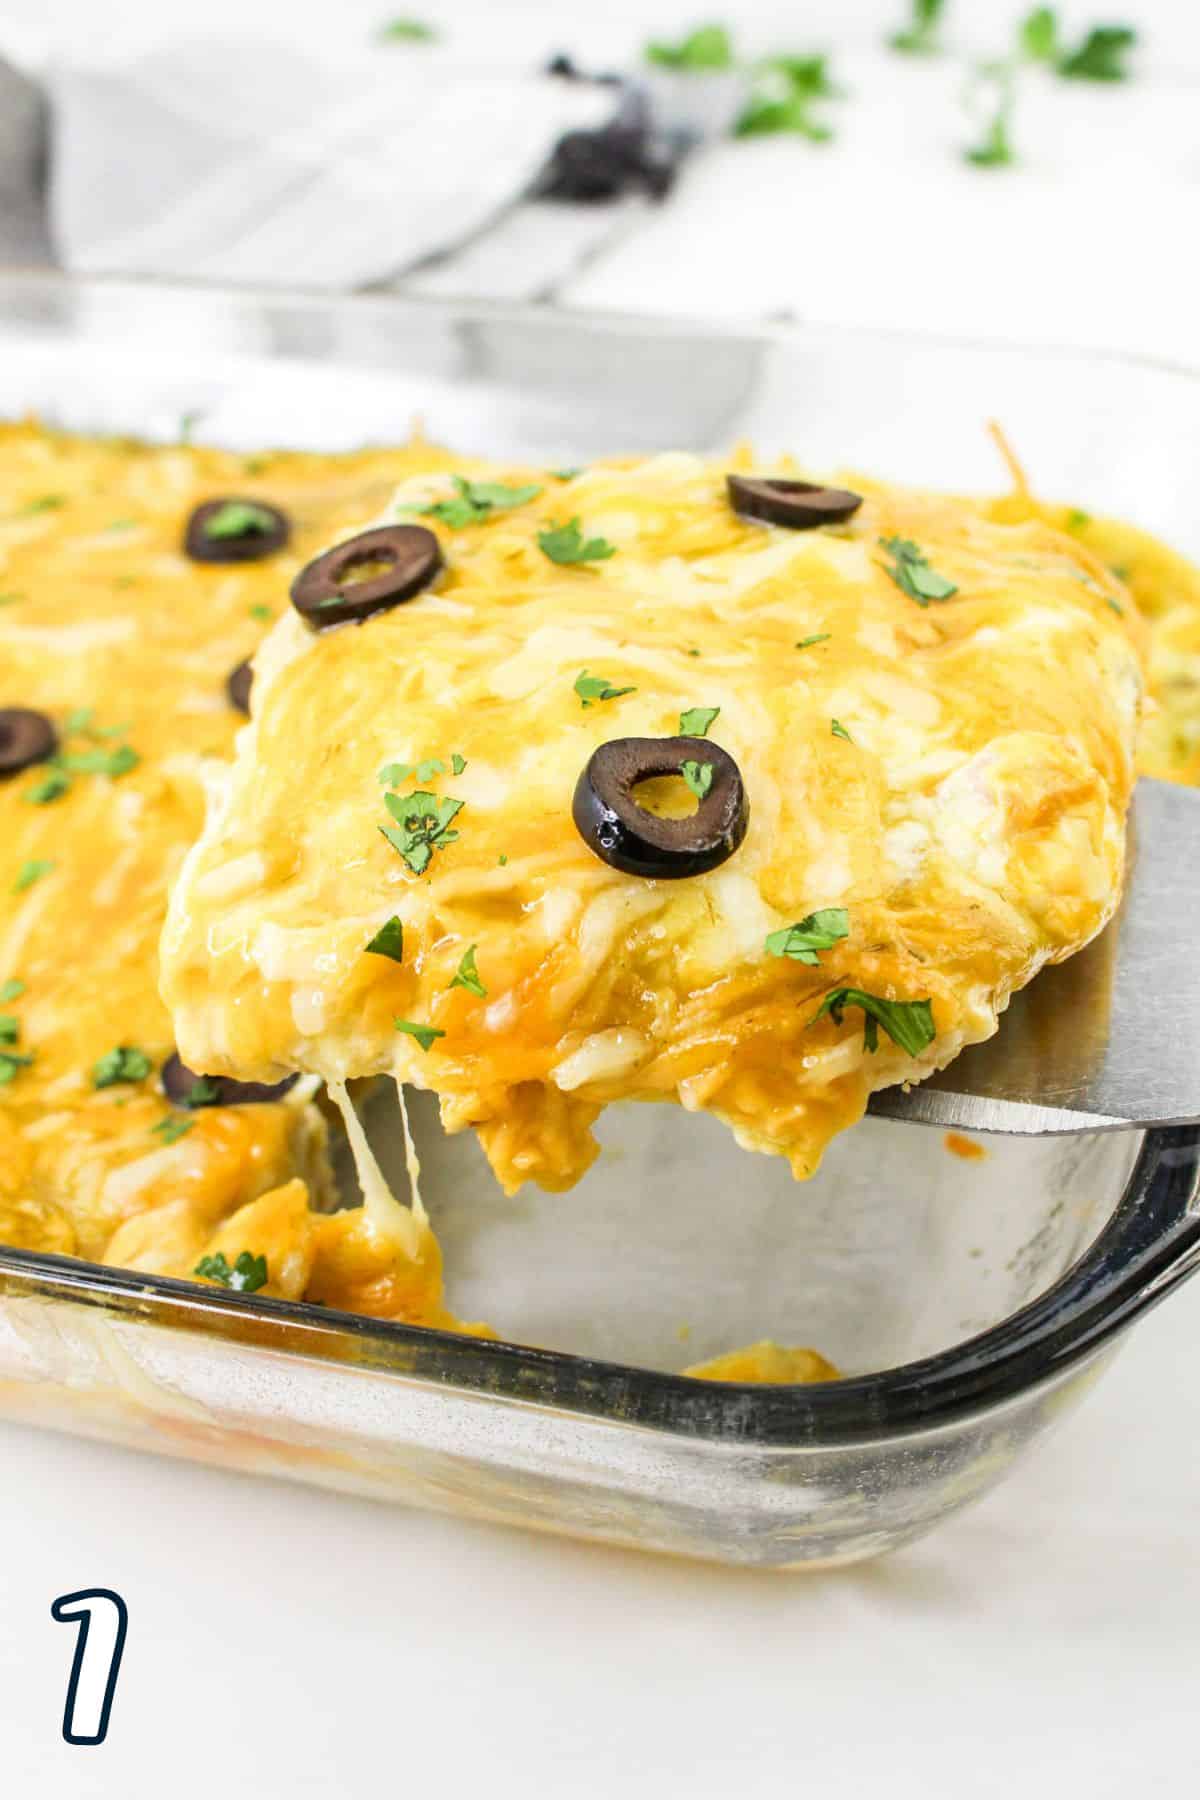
1110	1039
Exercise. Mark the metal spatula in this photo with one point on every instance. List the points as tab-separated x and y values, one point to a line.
1110	1039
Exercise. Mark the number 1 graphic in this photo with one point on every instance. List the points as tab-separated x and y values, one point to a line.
102	1617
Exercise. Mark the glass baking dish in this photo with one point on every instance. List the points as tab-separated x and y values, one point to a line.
968	1303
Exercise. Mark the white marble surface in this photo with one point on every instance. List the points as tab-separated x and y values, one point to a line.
286	1643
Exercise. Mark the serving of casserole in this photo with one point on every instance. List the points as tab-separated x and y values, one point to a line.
667	779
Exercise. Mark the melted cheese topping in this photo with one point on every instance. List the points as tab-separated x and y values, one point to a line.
102	615
968	812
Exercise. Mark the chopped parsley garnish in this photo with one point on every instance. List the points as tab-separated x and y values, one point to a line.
172	1128
1115	605
393	774
702	51
43	503
261	612
837	729
29	872
502	859
239	518
51	787
203	1092
698	776
566	544
11	1065
476	501
102	762
912	574
566	474
597	687
247	1275
1078	520
817	931
468	975
1101	56
818	637
695	722
406	31
909	1023
424	1034
10	1028
920	36
422	826
457	763
12	989
8	599
388	940
125	1063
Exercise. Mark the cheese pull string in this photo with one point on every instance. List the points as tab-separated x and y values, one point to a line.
387	1215
1010	459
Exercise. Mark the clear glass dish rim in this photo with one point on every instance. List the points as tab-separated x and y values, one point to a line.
1150	1245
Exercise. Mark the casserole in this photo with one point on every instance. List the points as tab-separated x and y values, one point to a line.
1071	1240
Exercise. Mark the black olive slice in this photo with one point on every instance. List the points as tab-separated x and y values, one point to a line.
800	505
327	592
26	737
627	836
180	1085
238	684
232	530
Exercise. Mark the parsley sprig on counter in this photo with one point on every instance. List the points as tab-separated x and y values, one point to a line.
246	1275
708	49
909	1023
912	574
817	931
477	501
920	36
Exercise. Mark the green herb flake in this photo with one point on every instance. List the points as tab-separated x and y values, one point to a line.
237	519
704	51
697	720
80	719
52	786
566	544
425	1035
837	729
698	777
468	976
596	687
1115	606
43	503
247	1275
406	31
172	1128
388	941
10	1028
422	826
920	36
817	931
261	613
476	501
29	872
1078	520
102	762
125	1063
782	98
502	860
818	637
203	1092
1101	56
1038	35
993	151
10	599
12	989
912	574
566	474
11	1065
909	1023
457	763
